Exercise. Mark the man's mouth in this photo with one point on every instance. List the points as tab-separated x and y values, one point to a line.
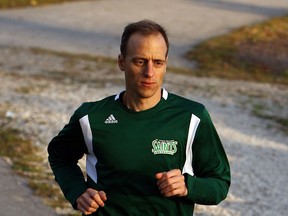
147	84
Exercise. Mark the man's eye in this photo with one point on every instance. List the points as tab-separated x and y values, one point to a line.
159	63
139	62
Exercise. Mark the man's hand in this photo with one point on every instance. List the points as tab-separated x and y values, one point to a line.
171	183
90	201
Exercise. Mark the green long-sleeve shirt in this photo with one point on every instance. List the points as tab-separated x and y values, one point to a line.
125	150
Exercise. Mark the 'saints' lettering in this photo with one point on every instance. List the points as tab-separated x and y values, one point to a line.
164	146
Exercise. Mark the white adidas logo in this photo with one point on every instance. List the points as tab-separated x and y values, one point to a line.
111	120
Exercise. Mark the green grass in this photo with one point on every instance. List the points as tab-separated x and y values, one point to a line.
281	123
26	160
19	150
258	52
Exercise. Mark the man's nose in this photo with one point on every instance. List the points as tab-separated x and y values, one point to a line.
149	69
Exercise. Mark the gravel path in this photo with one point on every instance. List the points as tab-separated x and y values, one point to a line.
40	99
40	90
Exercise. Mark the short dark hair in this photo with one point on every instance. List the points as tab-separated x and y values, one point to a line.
145	27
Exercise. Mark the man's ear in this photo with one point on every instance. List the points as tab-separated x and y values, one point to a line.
121	62
166	64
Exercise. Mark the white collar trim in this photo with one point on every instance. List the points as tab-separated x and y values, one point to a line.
164	94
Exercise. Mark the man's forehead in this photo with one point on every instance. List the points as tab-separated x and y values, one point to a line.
141	45
138	36
140	54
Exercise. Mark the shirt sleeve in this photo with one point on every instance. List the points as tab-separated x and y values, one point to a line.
64	151
211	180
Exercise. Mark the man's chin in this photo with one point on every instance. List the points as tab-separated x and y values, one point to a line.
147	92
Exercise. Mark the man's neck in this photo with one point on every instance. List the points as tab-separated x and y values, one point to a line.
139	104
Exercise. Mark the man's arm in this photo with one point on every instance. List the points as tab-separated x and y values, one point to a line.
210	184
211	180
64	151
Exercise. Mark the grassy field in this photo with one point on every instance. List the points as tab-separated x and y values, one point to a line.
258	52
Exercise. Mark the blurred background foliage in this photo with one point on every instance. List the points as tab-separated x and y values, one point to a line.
28	3
257	52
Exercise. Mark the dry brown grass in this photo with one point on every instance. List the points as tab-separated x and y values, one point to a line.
258	52
6	4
